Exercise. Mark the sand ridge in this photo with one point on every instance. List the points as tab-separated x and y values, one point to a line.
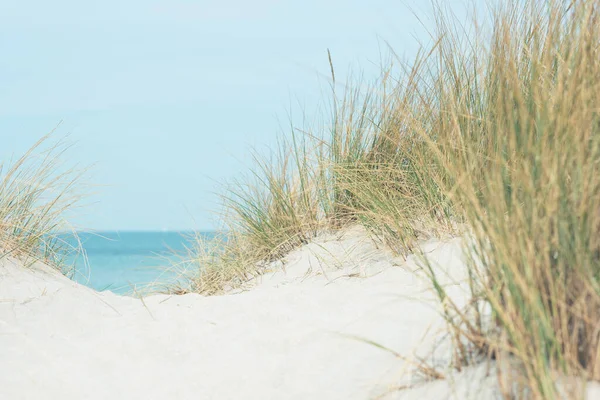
295	335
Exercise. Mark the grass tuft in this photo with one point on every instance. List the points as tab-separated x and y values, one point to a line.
35	194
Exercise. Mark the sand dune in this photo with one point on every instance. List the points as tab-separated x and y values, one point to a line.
295	335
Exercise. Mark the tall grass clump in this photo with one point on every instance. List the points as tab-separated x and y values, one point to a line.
35	193
314	181
516	128
354	170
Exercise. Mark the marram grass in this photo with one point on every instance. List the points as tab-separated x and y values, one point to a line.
35	193
493	133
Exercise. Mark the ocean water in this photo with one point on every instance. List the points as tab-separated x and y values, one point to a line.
124	261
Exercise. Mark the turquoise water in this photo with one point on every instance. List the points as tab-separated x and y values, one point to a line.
122	261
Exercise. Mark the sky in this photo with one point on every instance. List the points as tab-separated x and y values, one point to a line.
165	98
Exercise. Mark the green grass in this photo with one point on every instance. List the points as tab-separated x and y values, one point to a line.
35	194
492	133
519	138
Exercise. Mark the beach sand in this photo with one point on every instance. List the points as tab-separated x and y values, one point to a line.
297	334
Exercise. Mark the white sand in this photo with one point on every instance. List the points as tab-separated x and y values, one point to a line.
293	336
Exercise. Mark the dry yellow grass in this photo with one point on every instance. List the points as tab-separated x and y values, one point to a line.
35	193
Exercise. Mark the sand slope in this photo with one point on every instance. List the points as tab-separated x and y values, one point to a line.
293	336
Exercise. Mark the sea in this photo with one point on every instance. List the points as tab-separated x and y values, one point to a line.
129	262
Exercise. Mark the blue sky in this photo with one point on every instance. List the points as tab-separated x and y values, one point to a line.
166	98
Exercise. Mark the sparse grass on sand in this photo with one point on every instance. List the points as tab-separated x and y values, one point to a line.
495	128
35	193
